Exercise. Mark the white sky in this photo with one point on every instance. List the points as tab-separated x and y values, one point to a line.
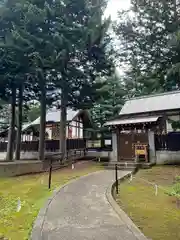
112	9
114	6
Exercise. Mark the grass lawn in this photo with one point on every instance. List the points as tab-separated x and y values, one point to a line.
33	192
158	217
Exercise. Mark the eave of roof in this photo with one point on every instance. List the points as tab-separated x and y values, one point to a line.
130	121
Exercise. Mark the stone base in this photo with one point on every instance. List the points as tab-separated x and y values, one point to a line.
10	169
167	157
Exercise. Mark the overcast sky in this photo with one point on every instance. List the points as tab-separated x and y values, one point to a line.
114	6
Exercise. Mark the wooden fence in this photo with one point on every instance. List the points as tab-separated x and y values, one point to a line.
169	142
72	144
50	145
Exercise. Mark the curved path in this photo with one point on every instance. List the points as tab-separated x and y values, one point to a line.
80	211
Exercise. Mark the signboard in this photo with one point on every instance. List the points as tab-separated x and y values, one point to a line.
95	144
107	142
141	150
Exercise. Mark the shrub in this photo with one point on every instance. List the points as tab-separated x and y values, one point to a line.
177	179
175	190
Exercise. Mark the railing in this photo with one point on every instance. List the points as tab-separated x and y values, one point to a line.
50	145
3	146
170	142
76	144
72	144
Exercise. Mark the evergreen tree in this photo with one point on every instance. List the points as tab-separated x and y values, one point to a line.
83	58
54	45
112	97
145	32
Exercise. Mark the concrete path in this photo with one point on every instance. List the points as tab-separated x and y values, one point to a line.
80	211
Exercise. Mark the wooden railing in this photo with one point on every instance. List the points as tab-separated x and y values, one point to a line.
72	144
170	142
50	145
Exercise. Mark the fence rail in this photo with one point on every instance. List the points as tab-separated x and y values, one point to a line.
72	144
170	142
50	145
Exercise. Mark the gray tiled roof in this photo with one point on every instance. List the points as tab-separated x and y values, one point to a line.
153	103
131	121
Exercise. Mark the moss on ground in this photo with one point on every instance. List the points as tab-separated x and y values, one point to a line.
33	192
157	216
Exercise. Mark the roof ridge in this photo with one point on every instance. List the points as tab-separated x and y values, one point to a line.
154	95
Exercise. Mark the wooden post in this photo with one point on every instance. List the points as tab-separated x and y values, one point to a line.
117	132
116	176
50	174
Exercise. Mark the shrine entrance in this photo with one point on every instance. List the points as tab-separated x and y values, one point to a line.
126	144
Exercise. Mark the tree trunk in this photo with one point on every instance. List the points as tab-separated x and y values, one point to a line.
63	121
19	124
11	133
42	119
175	12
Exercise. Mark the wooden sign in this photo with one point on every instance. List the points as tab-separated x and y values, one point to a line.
141	150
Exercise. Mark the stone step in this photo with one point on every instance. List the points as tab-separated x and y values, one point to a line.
130	168
129	165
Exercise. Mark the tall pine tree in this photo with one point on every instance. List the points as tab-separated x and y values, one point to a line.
145	32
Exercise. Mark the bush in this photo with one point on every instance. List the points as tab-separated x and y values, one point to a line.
177	179
175	190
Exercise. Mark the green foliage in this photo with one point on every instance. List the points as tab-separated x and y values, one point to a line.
111	98
32	113
175	125
175	190
65	41
149	35
177	178
53	49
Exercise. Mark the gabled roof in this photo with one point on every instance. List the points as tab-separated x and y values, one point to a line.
54	116
152	103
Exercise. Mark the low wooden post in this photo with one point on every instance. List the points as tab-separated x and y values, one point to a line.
50	174
84	152
116	176
67	155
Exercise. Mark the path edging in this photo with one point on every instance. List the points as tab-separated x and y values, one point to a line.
122	215
36	233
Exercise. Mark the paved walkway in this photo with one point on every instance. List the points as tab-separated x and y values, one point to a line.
80	211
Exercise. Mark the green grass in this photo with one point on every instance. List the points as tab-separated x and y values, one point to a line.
157	216
33	192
